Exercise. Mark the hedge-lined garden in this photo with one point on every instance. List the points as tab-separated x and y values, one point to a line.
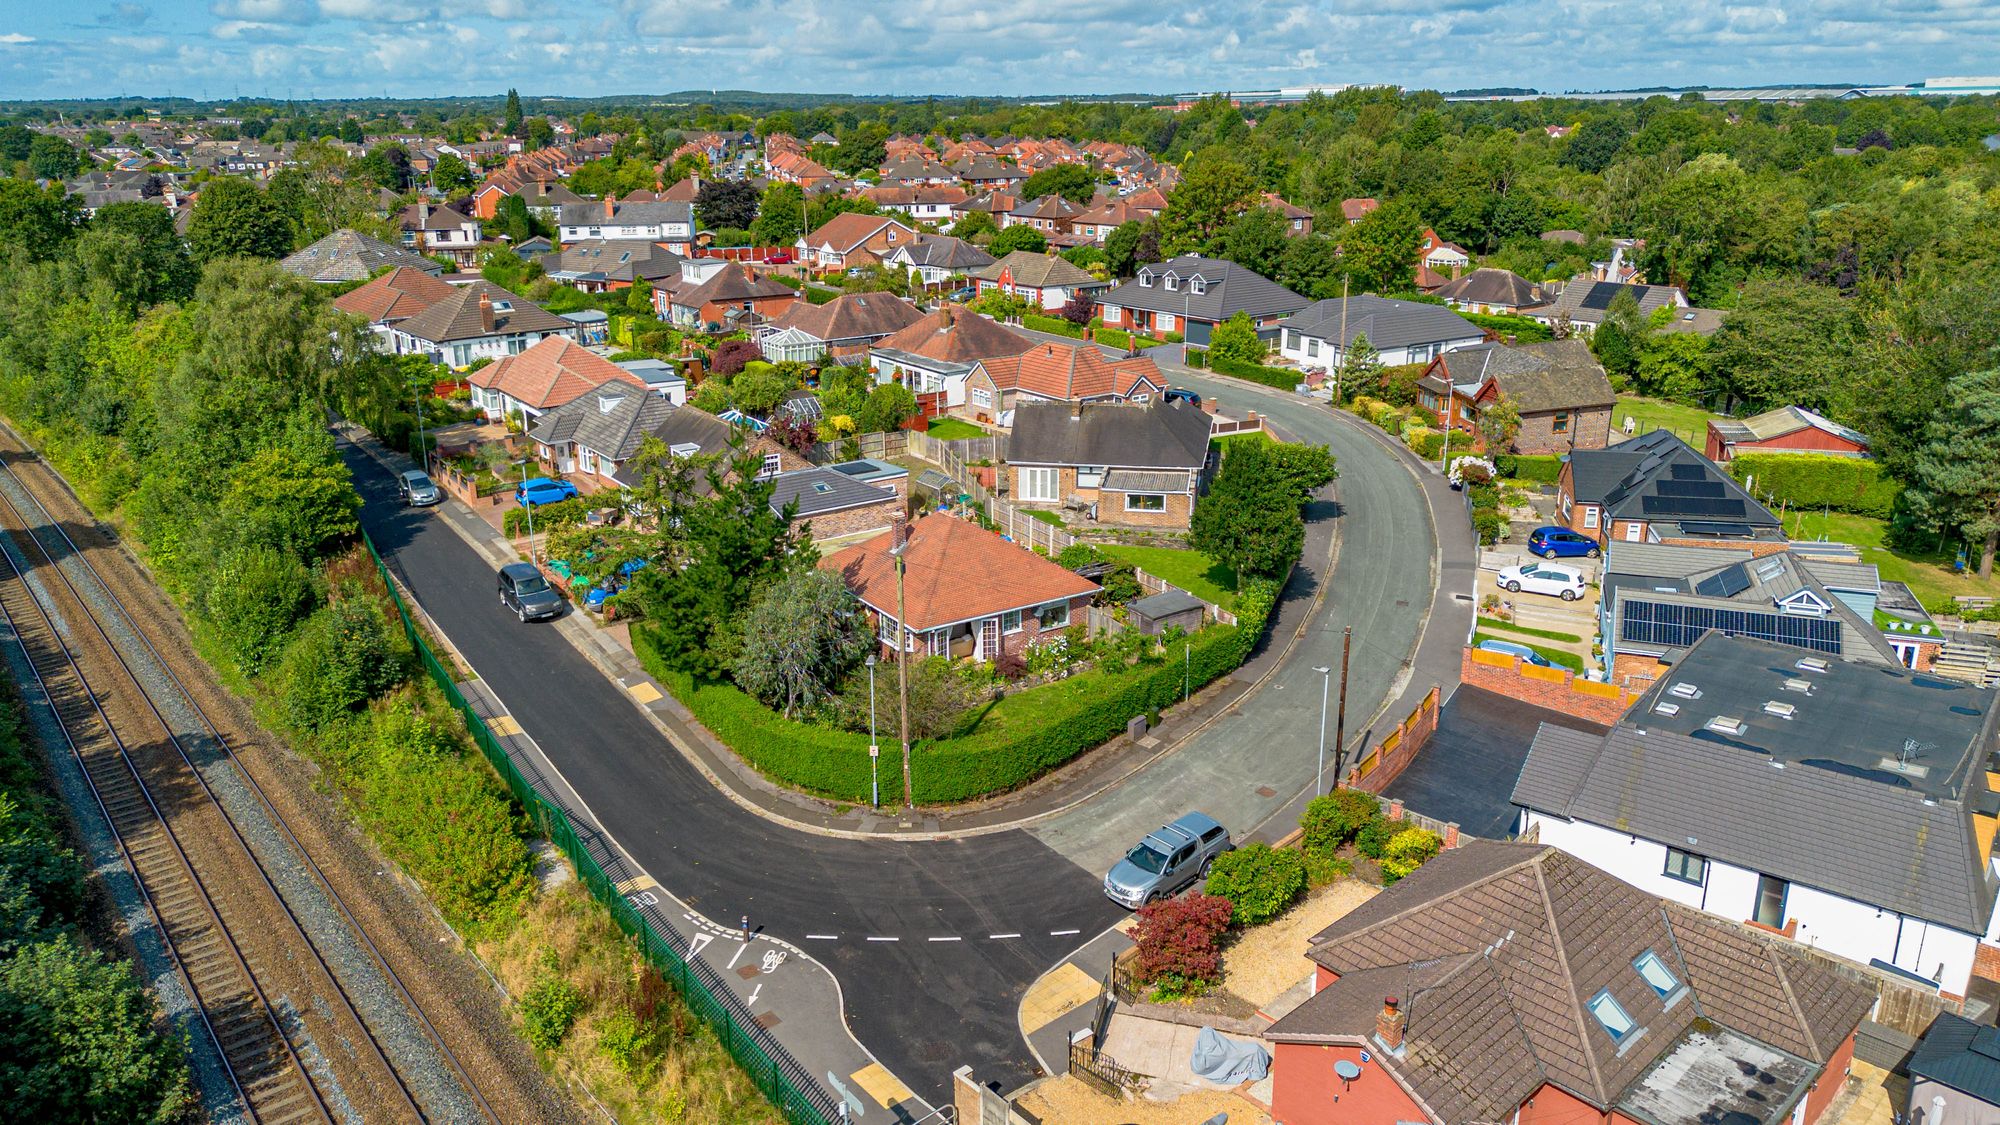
1283	378
1811	480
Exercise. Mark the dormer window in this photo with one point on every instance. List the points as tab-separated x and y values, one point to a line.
1198	285
1145	279
1173	282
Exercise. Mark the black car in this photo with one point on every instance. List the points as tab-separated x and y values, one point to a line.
528	594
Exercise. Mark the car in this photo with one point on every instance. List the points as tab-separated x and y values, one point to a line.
1175	394
1561	543
1167	860
543	490
528	594
418	489
782	257
961	295
1565	582
1527	655
857	271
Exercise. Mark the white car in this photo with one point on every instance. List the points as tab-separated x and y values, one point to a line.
1543	578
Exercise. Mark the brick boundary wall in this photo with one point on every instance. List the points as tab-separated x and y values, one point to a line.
1556	689
1374	770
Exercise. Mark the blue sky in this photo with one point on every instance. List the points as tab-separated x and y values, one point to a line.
353	48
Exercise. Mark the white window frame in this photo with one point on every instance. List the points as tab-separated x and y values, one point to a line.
1040	484
1652	969
1043	615
773	465
1010	621
981	396
1633	531
1131	496
1090	476
1590	517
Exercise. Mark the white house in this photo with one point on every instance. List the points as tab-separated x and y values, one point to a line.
478	321
1321	334
671	223
1843	805
448	230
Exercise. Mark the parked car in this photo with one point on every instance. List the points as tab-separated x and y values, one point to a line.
961	295
1527	655
1167	860
528	594
543	490
1561	543
857	271
418	489
1175	394
782	257
1565	582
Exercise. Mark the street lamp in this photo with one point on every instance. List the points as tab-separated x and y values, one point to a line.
874	751
523	462
1325	687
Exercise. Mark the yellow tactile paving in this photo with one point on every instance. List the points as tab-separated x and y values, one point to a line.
881	1085
503	726
1063	990
644	692
642	883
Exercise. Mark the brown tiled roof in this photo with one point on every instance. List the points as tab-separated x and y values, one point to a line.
555	371
1490	286
1277	203
457	316
1071	371
1353	209
732	284
397	295
1036	270
1500	947
953	334
849	229
682	191
854	316
953	571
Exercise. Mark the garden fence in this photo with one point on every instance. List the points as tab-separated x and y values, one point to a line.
769	1065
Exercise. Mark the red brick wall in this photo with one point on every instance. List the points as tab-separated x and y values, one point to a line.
1550	1106
1830	1081
853	521
1178	515
1758	548
1587	429
1811	439
1381	763
1305	1091
1557	689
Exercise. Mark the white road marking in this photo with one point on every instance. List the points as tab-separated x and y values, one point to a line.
1000	937
943	939
755	991
884	939
1063	933
737	956
822	937
695	943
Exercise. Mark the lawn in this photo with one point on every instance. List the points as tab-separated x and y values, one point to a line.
1044	515
1689	423
1928	573
1545	634
1555	656
954	429
1190	570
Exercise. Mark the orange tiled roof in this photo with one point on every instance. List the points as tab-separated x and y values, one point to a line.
401	293
556	371
1070	371
953	571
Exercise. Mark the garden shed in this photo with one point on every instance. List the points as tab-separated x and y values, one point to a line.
1156	614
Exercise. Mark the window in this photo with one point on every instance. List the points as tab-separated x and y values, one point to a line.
1312	348
1590	518
1089	476
982	397
1611	1017
1657	976
1054	615
1039	484
1173	283
773	465
1687	865
1562	422
1632	531
1145	279
1145	502
1771	894
1285	341
1010	621
1198	285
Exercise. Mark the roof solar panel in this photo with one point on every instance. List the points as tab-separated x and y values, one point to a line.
1602	294
1691	506
1725	583
1710	488
1685	471
1693	527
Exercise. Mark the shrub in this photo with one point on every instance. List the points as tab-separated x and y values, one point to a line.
1178	942
548	517
1322	868
1408	850
1259	882
1053	325
627	1042
1807	480
255	599
1278	377
1197	357
1490	524
1525	330
549	1010
1374	837
1521	466
1333	820
342	657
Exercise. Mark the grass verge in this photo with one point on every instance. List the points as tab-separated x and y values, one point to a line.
1546	634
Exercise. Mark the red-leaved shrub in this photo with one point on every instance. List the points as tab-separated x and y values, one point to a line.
1177	940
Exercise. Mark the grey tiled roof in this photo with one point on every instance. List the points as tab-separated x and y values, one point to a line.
457	316
626	214
610	421
1960	1054
349	255
1386	322
1227	289
820	490
1159	435
1626	478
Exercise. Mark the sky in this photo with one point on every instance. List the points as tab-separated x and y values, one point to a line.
418	48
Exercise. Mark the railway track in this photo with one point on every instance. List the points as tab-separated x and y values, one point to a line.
240	948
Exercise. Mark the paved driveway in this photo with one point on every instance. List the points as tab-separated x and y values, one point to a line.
1467	772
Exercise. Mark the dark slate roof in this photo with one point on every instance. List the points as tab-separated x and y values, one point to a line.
1654	478
624	259
1166	603
610	421
820	490
626	214
1587	301
941	251
1753	584
1386	322
1551	375
1962	1055
1227	289
1158	435
1489	286
1833	817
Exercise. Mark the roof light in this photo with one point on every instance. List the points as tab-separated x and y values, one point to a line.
1811	664
1794	683
1685	690
1667	708
1780	709
1724	724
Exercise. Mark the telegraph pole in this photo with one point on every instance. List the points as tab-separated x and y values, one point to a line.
1340	724
903	659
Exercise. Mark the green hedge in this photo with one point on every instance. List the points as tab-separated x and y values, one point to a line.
1521	466
1282	378
1055	326
1812	480
815	295
1525	330
1015	740
1196	357
1119	338
548	517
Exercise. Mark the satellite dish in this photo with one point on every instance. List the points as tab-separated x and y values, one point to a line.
1346	1070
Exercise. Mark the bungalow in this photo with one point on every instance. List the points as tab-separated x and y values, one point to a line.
1585	302
842	501
918	204
1490	290
348	255
596	265
448	230
1192	294
1656	489
690	432
1557	386
1510	982
937	354
1058	373
393	298
965	592
1321	334
734	296
478	321
841	330
670	223
1045	281
553	373
853	239
1122	464
936	258
595	433
1788	429
1051	214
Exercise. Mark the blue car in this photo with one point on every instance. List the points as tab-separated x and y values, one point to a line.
1562	543
542	490
1527	655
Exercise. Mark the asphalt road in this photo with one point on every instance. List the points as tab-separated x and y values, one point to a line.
922	1007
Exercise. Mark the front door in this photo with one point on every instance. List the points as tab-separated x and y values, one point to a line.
989	639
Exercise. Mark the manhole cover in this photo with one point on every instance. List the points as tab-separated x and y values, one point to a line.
768	1020
1403	602
747	972
1266	791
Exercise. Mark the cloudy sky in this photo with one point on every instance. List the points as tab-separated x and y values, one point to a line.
352	48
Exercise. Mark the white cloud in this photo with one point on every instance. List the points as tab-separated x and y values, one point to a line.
15	39
265	11
375	11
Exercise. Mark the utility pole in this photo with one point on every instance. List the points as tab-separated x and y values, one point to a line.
1319	778
903	658
1340	357
874	750
1340	724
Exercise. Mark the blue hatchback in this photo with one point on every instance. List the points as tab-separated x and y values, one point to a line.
542	490
1562	543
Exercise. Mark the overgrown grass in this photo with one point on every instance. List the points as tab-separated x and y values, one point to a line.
1689	423
954	429
1555	656
1545	634
1190	570
1928	573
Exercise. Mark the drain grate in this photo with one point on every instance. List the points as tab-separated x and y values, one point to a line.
1403	603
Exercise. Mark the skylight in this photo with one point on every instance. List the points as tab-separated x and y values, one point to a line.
1611	1017
1657	976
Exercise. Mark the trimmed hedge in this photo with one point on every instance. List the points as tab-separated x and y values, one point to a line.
1120	338
1281	378
1013	740
1542	469
548	517
1525	330
817	296
1196	357
1813	480
1055	326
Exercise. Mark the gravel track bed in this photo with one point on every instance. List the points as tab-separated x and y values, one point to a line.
454	991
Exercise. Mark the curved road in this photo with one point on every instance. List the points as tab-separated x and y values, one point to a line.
922	1006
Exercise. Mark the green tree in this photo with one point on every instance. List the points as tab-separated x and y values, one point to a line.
538	133
450	175
52	158
1361	369
1311	267
726	204
258	596
760	387
296	496
801	636
888	406
78	1041
232	217
512	218
1594	145
975	223
1954	481
1617	341
342	657
132	251
1498	424
1250	521
1129	246
1074	182
780	216
1237	339
1255	240
511	116
1789	343
1018	237
1299	470
40	221
1380	252
1215	187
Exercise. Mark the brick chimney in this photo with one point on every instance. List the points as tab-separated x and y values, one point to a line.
610	204
485	312
1389	1024
944	314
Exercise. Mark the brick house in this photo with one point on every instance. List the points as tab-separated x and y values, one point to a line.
1490	290
842	330
1117	464
477	321
853	239
1046	281
1558	387
1192	294
845	500
597	432
1512	982
1788	429
552	374
393	298
734	296
449	230
1657	489
967	592
940	352
1056	373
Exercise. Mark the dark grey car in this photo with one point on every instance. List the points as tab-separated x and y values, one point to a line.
528	594
1168	859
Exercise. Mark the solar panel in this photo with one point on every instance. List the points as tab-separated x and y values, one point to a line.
1680	626
1695	527
1685	471
1690	487
1725	583
1602	294
1691	506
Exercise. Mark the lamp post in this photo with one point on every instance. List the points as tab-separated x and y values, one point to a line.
423	446
1340	716
1325	688
874	751
530	507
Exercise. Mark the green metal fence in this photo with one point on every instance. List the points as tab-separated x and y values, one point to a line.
772	1068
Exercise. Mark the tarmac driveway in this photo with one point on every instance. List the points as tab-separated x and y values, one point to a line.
1466	774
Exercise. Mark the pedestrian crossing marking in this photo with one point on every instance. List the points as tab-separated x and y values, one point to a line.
1061	991
881	1085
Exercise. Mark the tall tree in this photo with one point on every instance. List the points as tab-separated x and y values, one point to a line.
60	1005
726	204
52	158
1215	187
511	118
803	633
450	175
1255	240
39	221
134	251
1380	252
1955	476
1789	343
1074	182
1018	237
232	216
780	216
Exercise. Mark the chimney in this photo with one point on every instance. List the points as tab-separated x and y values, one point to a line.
1389	1024
1076	410
423	218
485	312
610	204
944	312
